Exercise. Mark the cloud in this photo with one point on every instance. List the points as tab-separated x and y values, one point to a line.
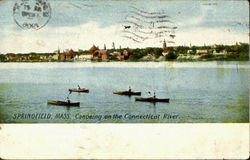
190	22
49	39
85	35
210	36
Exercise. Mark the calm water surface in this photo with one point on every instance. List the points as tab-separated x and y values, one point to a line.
198	91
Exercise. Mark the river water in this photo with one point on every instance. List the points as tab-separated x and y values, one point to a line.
199	92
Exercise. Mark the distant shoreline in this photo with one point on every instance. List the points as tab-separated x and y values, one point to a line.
237	52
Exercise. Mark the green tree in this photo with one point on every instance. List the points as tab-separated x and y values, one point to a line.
136	54
171	54
2	58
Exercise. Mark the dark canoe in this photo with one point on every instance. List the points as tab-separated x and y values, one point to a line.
62	103
152	99
79	90
127	93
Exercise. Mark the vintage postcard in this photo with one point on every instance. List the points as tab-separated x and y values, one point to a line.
124	61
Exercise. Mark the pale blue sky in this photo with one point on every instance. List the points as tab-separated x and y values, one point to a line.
228	17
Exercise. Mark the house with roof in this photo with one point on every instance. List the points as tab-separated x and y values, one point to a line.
202	52
85	57
121	55
101	55
11	58
69	55
223	52
93	48
56	54
126	54
190	51
62	56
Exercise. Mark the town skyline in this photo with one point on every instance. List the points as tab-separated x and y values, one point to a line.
113	46
238	51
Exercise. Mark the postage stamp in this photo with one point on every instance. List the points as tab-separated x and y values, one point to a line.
31	14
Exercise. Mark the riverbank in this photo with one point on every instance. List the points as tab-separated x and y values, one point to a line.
238	52
150	58
181	59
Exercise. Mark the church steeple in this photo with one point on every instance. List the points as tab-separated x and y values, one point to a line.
164	45
58	50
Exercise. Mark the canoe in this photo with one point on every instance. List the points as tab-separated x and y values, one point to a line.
152	99
63	103
79	90
127	93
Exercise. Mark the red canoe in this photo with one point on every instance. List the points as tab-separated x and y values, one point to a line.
152	99
62	103
79	90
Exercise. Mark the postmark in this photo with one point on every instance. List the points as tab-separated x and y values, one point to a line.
141	25
31	14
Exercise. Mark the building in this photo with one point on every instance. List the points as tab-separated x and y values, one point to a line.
62	56
165	48
118	55
101	55
93	48
85	57
56	55
69	54
11	58
98	54
43	57
190	51
202	52
121	55
115	53
126	54
223	52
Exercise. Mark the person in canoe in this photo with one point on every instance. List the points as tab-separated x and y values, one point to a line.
149	93
68	100
153	96
129	90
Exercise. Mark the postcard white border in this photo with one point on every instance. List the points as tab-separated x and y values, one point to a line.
124	141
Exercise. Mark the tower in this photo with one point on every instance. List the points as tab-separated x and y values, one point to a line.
164	45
